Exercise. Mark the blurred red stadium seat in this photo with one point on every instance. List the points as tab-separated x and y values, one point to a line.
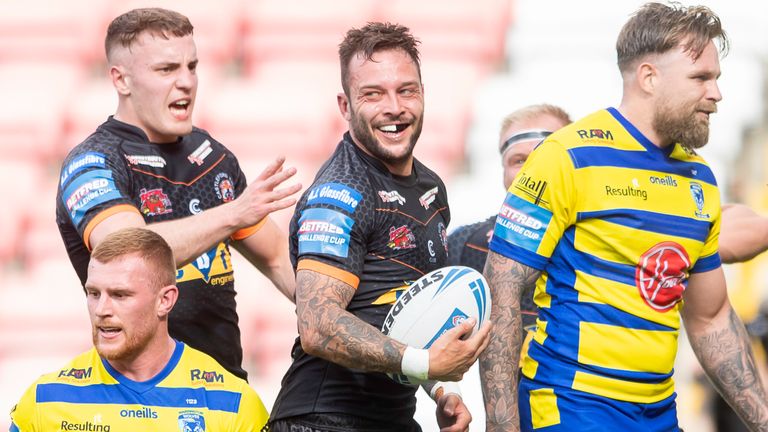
293	114
217	31
35	98
300	30
51	30
453	29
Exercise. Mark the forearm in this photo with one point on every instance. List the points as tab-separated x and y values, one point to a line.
725	353
499	362
331	332
192	236
267	250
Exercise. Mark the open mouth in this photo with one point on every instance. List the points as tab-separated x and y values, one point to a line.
179	108
109	332
393	129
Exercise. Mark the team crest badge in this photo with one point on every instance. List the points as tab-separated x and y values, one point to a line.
225	189
443	236
697	192
191	421
401	238
154	202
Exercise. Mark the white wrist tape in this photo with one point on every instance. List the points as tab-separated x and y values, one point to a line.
415	363
448	387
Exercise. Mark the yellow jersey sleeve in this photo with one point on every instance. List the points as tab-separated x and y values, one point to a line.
24	414
538	208
252	416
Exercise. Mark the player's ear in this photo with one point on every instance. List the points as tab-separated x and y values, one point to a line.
343	101
120	80
647	77
166	298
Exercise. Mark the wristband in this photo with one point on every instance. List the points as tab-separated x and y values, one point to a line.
448	387
415	363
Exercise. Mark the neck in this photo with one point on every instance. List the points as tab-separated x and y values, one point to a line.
149	362
641	117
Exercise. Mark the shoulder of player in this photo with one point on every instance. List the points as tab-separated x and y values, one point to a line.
78	370
200	369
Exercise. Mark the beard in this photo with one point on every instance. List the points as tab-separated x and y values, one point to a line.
134	343
680	124
364	134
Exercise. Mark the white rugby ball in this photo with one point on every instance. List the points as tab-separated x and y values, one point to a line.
434	304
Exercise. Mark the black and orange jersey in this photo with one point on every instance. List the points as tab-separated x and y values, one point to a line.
378	232
117	169
468	246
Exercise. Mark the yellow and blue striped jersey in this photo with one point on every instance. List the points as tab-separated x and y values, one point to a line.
193	393
616	225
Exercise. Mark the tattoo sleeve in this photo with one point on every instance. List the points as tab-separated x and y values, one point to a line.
329	331
726	355
499	362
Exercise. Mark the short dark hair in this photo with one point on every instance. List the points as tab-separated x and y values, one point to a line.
124	29
657	28
373	37
148	245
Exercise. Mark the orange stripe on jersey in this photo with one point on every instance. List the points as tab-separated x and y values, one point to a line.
407	215
181	183
476	247
247	232
103	215
329	270
398	262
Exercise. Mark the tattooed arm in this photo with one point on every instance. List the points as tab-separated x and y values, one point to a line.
328	330
507	280
723	348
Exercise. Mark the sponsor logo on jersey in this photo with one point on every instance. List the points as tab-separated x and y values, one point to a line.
697	192
213	267
225	189
194	206
85	160
661	274
663	181
149	160
600	134
391	196
324	231
145	412
87	426
401	238
201	152
521	223
191	421
207	376
75	373
335	194
629	191
428	198
154	202
531	187
87	191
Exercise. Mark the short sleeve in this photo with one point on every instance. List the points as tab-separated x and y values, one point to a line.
332	223
538	208
24	414
92	186
252	416
709	259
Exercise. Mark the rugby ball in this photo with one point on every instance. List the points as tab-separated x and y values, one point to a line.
434	304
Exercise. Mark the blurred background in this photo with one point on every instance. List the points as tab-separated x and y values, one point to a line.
268	83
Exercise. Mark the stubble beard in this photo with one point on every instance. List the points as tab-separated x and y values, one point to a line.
364	135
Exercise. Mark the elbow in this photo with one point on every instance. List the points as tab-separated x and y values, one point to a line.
311	338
